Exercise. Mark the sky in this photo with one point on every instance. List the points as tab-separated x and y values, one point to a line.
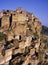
38	7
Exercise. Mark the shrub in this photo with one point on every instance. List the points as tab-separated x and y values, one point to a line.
2	36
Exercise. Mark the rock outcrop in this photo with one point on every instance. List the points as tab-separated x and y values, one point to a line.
22	45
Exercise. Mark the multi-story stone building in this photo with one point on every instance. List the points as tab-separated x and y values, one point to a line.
5	21
22	30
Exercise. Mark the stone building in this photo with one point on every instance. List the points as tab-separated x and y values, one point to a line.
5	21
5	59
22	30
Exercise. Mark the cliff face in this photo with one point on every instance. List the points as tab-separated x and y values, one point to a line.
22	31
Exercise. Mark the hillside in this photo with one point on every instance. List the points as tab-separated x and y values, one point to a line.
21	41
44	30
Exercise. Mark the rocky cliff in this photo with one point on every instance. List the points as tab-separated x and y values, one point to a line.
20	38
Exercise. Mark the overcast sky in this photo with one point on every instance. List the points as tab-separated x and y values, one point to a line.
38	7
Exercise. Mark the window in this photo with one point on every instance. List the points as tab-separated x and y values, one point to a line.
20	37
